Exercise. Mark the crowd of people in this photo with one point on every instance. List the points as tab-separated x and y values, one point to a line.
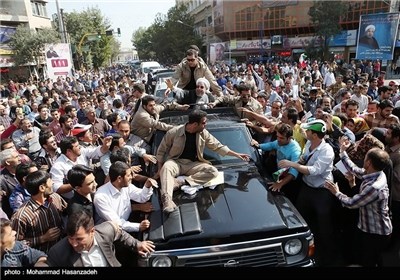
75	151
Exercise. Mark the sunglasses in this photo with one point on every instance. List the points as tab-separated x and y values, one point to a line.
190	59
200	87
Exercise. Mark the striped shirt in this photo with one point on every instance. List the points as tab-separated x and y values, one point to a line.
33	220
60	136
372	200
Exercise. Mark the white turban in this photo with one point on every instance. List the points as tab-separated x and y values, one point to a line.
370	27
204	81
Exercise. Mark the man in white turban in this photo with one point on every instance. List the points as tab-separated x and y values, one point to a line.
368	40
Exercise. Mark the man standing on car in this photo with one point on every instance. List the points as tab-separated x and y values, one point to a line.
188	71
181	153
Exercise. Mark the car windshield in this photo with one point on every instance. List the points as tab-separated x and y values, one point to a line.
236	138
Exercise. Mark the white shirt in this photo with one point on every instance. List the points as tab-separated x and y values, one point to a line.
329	79
111	99
114	205
62	165
362	102
320	164
94	257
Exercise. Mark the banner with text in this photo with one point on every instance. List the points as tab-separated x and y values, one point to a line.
377	36
58	60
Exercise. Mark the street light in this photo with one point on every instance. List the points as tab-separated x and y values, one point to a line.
181	22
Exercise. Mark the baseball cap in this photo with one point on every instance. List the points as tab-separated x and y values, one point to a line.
393	83
79	129
315	125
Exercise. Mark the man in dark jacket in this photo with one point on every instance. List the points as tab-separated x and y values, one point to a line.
87	245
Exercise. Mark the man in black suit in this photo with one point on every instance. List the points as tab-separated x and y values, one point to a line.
75	250
368	40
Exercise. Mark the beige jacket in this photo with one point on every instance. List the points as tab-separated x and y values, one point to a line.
173	143
144	125
236	101
183	75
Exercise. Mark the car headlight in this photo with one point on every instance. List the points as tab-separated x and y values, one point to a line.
293	246
161	261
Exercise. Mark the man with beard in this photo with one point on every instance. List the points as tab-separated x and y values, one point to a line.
66	124
181	153
49	152
286	148
384	117
368	40
39	220
146	121
188	71
87	245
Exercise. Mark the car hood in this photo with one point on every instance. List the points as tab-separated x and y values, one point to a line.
241	205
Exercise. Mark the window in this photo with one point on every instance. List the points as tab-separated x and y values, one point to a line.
39	9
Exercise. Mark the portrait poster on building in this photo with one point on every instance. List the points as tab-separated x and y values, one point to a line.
217	52
377	36
58	60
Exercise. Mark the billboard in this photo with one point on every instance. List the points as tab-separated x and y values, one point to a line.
58	60
218	52
377	36
344	38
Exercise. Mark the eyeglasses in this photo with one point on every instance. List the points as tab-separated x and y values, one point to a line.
190	59
200	87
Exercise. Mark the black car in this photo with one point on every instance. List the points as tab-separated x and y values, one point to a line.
237	223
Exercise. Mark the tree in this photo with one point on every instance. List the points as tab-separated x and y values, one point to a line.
28	45
166	40
80	25
115	49
325	16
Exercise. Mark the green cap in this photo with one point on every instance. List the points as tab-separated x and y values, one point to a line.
315	125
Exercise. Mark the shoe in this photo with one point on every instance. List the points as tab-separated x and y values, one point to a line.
211	187
179	181
189	189
168	205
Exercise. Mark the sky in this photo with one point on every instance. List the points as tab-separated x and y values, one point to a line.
128	15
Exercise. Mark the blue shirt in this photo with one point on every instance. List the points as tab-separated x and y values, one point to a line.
291	152
18	197
21	255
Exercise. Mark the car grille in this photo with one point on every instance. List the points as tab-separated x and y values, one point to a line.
267	256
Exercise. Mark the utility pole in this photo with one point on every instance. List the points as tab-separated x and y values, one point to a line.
60	23
63	26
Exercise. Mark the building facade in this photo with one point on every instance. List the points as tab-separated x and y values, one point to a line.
30	13
254	30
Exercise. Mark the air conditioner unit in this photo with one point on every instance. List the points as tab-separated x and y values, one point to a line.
276	40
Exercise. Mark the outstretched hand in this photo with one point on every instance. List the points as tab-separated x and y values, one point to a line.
344	143
331	186
244	157
145	247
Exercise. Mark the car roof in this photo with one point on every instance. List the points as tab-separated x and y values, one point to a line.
215	117
162	70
